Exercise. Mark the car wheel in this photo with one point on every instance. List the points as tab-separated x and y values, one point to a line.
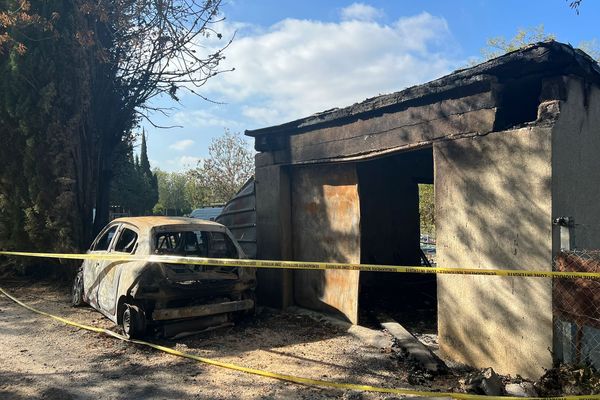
133	321
77	291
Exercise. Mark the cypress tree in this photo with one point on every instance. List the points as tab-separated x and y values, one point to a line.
44	95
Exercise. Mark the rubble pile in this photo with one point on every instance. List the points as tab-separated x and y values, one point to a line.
568	379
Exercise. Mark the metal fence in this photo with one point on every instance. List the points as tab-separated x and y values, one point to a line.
576	309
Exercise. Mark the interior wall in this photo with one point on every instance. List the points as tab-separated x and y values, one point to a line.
389	207
326	227
493	210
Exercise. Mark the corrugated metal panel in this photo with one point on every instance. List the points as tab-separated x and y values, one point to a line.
239	215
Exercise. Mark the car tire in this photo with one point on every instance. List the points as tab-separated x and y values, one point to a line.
133	321
77	290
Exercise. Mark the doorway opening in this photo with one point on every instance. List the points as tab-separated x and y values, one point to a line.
396	215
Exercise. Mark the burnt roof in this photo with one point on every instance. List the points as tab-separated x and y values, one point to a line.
549	58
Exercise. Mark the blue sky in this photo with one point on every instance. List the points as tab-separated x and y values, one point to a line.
295	58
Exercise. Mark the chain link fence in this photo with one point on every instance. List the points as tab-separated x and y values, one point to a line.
576	309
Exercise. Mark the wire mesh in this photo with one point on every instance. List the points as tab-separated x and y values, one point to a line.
576	309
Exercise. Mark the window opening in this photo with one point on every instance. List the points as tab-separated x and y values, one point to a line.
104	241
127	241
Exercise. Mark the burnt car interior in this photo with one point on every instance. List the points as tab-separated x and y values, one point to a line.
195	243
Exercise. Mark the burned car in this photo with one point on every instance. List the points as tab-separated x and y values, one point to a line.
167	299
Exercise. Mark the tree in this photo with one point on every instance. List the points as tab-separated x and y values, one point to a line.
196	194
229	165
76	79
134	187
499	45
591	47
575	4
171	193
427	209
44	98
146	48
149	192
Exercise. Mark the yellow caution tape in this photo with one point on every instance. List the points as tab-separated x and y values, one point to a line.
230	262
284	377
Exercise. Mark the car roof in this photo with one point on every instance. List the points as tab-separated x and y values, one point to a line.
154	221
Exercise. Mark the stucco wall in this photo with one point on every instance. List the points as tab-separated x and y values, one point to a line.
576	194
493	210
576	162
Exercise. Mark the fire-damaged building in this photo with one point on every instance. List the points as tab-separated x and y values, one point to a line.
510	145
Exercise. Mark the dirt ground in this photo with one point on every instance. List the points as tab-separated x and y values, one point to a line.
41	358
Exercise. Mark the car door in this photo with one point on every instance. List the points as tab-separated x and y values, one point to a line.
125	243
92	268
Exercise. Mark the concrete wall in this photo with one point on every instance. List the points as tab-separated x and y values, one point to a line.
273	234
493	210
576	162
392	130
326	227
576	194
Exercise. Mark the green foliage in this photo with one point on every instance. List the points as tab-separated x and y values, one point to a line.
42	107
499	45
427	209
196	194
215	181
172	199
134	186
75	75
591	47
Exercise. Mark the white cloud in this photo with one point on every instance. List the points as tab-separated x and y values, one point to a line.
203	118
360	12
182	145
182	163
187	162
263	115
299	67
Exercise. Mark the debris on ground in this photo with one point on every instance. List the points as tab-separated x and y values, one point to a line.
523	389
286	342
410	344
416	373
352	395
486	381
569	379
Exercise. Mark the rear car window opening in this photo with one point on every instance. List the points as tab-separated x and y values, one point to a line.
195	243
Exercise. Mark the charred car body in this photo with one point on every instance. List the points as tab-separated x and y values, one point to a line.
169	299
